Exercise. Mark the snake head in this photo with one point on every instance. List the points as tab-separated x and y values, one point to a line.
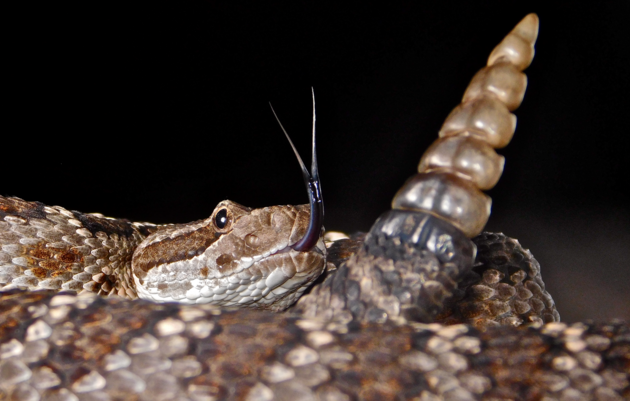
237	257
259	258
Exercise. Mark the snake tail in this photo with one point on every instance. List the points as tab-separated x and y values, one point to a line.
462	162
438	210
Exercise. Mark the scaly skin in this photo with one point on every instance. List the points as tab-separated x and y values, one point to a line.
356	335
111	348
107	348
51	247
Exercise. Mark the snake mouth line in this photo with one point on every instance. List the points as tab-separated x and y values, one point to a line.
240	287
247	262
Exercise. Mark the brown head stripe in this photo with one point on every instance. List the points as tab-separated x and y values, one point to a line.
183	247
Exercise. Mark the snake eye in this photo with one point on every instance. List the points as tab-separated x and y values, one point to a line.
221	218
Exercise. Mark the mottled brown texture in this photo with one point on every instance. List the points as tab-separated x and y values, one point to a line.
20	208
505	287
51	247
341	250
60	346
95	347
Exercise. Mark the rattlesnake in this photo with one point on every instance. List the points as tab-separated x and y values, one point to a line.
355	334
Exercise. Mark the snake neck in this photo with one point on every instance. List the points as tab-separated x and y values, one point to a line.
49	247
246	263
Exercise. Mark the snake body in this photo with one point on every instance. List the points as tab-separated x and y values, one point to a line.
412	310
355	335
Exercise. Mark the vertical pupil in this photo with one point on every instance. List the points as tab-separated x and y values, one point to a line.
221	218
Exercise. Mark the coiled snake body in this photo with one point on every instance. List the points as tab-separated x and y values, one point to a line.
402	313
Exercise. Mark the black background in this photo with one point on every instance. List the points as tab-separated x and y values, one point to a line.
156	113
